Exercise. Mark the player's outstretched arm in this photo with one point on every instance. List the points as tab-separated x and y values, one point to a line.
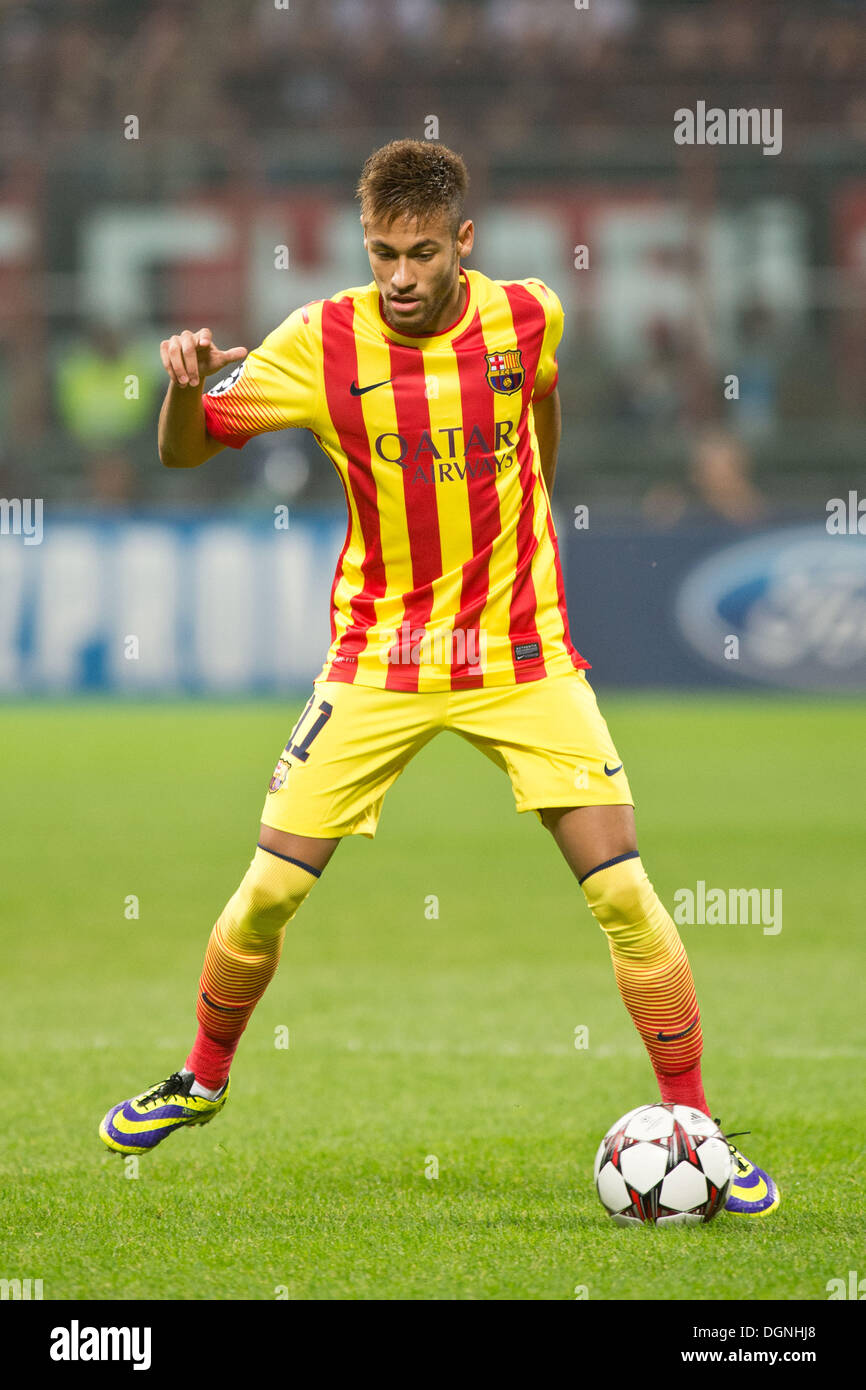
189	358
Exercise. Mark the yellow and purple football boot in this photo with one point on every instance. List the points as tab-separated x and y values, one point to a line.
753	1192
136	1126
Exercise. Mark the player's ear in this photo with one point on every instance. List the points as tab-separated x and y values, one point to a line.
465	238
363	229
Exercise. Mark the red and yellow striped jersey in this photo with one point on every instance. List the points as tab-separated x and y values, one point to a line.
450	574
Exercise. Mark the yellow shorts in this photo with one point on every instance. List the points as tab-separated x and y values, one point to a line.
352	742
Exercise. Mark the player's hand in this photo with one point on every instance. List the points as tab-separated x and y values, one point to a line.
190	357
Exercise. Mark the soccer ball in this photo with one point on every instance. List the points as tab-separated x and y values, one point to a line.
663	1164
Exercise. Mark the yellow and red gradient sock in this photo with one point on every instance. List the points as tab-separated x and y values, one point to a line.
653	974
241	958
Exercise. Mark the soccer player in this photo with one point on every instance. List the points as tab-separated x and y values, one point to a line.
433	391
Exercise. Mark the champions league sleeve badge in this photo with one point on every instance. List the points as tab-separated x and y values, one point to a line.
228	381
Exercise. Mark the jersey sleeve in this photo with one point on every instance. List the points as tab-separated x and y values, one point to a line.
547	373
276	387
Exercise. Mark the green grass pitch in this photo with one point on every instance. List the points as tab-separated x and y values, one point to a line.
415	1038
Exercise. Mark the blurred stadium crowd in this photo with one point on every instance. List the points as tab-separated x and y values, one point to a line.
231	94
501	66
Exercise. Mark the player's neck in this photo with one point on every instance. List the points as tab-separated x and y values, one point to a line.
452	311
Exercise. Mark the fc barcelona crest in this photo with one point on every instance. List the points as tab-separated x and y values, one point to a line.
505	371
281	772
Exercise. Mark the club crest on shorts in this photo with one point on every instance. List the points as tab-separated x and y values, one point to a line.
505	371
281	772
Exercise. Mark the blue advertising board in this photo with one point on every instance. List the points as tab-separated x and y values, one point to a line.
149	605
715	606
217	605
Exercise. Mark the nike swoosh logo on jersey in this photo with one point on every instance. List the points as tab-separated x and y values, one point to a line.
357	390
674	1037
611	771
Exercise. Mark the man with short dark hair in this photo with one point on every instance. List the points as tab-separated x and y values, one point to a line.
433	392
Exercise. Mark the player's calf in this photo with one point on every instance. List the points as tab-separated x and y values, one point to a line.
241	958
653	973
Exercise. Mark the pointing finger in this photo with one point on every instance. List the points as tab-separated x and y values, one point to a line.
188	347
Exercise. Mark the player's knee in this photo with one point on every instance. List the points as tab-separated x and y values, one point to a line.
271	891
627	907
619	893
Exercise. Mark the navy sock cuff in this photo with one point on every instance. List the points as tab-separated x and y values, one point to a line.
608	863
317	873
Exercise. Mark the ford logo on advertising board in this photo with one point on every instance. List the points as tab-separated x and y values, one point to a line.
794	599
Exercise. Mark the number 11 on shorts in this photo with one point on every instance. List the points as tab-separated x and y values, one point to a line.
301	750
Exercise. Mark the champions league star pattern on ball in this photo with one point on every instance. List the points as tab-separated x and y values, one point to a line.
432	437
664	1165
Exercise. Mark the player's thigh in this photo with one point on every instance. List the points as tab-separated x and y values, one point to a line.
552	740
346	749
309	852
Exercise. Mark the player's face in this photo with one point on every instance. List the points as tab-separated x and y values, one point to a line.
417	268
